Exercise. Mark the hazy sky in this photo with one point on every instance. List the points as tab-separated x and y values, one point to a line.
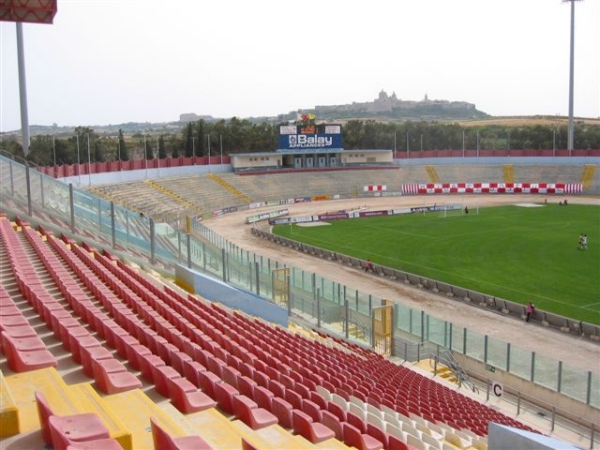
108	62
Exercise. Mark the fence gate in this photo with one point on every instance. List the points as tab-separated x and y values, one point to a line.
281	286
382	328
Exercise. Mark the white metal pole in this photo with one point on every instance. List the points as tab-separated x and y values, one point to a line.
208	139
221	146
22	89
89	162
570	139
78	162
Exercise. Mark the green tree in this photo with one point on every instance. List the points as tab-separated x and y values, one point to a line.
148	152
123	150
189	140
200	140
162	153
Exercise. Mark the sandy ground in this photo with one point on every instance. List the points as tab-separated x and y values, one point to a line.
576	351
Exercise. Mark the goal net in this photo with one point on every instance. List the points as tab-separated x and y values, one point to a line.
454	210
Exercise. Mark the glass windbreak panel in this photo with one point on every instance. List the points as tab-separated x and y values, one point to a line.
359	327
595	391
475	345
86	211
574	383
37	188
304	304
458	339
496	353
265	280
546	372
327	289
332	315
57	201
403	317
364	303
520	362
104	217
436	330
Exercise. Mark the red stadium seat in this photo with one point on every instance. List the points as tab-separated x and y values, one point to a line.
187	398
79	427
248	412
315	432
163	441
354	438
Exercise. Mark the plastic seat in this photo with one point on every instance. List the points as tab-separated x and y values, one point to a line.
378	433
315	432
161	376
100	444
95	353
178	360
283	411
354	438
112	377
395	443
187	398
79	427
333	423
312	409
246	386
163	441
207	382
25	360
277	388
246	410
263	397
147	362
191	369
336	410
224	394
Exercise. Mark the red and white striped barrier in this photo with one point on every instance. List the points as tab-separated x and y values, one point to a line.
375	188
492	188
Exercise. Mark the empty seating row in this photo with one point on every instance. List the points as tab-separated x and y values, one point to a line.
254	349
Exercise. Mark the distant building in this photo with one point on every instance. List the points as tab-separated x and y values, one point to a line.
387	104
192	117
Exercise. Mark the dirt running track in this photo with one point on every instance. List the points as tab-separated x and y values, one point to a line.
577	351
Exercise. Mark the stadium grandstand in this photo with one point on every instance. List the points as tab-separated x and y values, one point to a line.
128	322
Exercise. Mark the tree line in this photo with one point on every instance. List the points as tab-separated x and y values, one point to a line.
234	136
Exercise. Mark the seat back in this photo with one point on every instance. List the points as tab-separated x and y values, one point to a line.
162	440
44	413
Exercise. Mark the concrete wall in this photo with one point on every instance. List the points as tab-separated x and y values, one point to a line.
96	179
217	291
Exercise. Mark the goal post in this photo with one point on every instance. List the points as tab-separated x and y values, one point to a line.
455	210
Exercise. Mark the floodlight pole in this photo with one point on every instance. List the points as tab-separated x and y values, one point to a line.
571	131
22	89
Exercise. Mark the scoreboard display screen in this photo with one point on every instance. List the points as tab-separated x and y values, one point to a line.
310	137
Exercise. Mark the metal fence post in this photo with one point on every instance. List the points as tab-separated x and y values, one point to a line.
28	181
257	276
72	207
189	251
113	225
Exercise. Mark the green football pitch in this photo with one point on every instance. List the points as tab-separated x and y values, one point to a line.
514	252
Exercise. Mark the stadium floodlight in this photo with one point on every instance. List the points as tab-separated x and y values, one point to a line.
571	131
